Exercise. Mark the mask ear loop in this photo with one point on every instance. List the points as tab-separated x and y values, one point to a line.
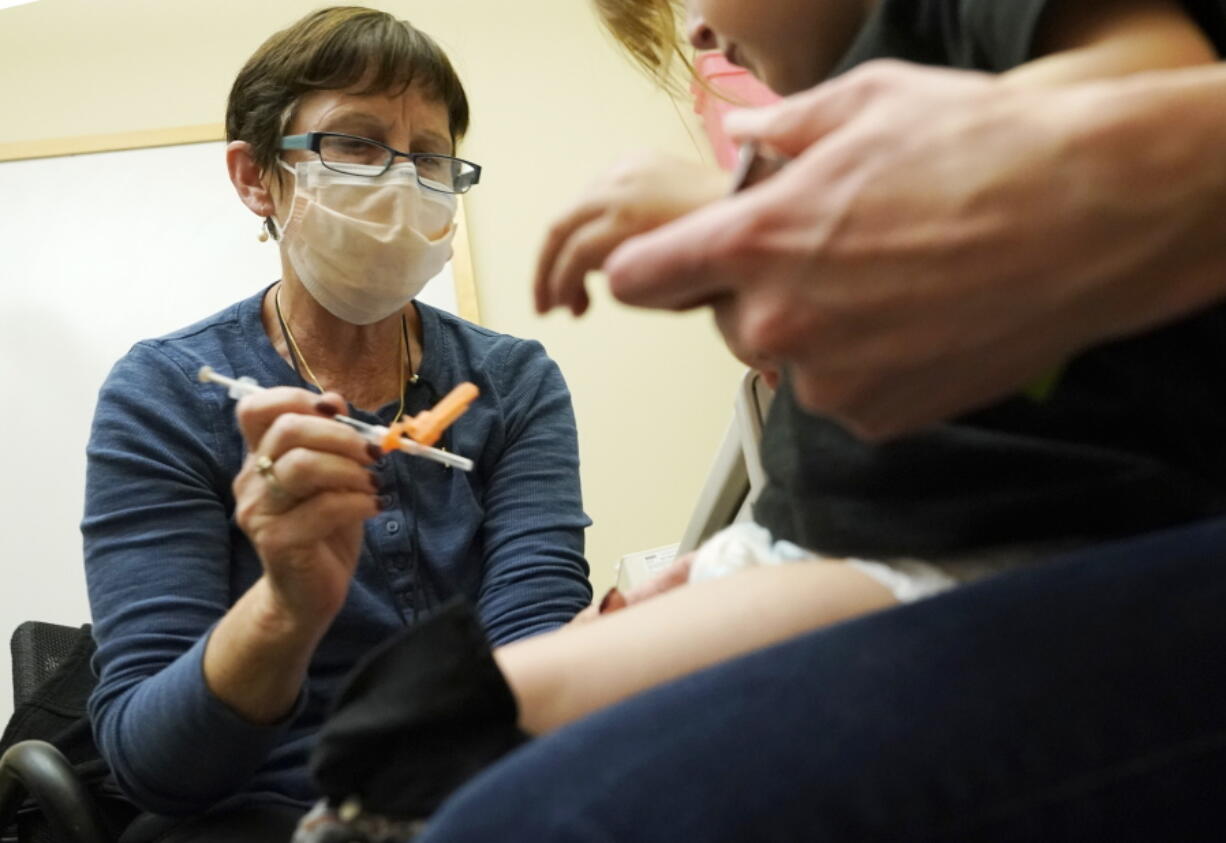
271	227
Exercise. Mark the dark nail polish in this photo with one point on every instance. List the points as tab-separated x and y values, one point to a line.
604	602
325	408
374	450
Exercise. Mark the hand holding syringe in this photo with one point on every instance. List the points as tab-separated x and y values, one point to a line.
426	427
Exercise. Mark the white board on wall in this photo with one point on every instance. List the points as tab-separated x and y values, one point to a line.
98	252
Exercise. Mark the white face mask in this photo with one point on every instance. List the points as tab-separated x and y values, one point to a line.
364	247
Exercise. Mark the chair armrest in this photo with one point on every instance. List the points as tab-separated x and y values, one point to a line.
42	771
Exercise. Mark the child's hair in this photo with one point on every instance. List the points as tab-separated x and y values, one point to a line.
650	30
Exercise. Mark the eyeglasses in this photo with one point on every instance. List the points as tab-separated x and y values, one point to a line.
356	156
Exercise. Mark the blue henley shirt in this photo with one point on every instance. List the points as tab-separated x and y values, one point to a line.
165	559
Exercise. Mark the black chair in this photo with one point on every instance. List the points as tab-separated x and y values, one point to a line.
43	797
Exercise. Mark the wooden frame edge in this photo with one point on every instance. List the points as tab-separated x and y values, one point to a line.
462	270
87	144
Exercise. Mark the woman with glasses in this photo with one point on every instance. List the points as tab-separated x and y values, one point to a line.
240	563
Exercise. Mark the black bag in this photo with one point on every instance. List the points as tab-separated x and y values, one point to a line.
417	717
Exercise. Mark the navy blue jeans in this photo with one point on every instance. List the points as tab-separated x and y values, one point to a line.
1084	699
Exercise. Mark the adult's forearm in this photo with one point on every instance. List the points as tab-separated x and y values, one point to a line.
175	744
1159	139
257	657
1148	148
564	675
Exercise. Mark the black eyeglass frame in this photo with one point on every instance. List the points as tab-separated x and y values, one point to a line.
311	142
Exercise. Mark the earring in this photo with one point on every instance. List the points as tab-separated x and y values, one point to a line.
263	236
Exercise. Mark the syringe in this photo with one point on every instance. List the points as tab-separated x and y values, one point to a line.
375	433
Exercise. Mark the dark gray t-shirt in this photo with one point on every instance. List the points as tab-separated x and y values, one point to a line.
1131	438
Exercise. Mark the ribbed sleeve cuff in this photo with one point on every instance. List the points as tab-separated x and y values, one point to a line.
182	748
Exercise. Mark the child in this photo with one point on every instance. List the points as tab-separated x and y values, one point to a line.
995	489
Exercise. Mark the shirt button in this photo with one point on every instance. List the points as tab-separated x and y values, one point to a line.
393	527
385	501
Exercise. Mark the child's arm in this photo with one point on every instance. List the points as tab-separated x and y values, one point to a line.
561	676
1082	40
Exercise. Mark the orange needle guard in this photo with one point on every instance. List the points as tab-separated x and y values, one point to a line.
427	426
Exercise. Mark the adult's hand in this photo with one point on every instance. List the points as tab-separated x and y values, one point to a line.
304	509
941	238
301	498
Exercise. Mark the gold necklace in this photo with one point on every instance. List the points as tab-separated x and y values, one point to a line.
298	357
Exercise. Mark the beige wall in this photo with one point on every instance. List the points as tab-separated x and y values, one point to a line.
553	104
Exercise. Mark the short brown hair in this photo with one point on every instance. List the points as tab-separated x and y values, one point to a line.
335	49
650	30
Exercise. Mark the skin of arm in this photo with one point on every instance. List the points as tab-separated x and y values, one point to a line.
1082	41
564	675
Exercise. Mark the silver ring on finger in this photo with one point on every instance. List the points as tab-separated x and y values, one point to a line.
264	465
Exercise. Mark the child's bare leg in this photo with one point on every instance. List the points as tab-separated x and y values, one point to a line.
564	675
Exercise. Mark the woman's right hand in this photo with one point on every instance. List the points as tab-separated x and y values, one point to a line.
304	511
637	195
